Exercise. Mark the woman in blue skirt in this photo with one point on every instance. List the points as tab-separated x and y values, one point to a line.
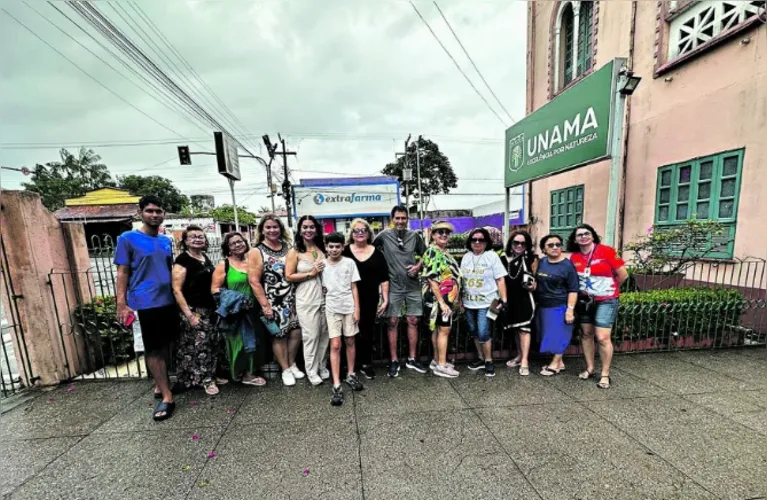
556	287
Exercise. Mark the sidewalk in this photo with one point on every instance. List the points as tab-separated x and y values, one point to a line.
675	425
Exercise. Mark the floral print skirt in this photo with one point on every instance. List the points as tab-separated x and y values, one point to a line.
197	352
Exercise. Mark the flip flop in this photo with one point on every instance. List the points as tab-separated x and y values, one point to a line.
524	371
548	371
585	375
161	407
256	381
602	385
211	389
513	363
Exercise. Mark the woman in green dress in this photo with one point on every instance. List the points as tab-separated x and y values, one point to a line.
232	273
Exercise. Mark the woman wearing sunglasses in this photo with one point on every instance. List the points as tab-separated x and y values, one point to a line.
601	272
443	277
556	287
521	264
482	277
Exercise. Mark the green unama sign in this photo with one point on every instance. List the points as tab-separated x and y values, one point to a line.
569	131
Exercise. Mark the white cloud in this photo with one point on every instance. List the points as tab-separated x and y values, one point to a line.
359	68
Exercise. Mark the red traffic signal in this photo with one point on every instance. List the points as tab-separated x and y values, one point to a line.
184	158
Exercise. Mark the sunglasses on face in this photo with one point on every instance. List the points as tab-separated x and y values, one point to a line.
518	243
361	230
441	232
585	234
478	240
554	245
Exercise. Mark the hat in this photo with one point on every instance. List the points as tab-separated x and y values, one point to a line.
441	224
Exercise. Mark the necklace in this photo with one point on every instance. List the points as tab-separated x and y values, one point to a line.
521	259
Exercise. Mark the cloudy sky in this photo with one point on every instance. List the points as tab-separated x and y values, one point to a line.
344	81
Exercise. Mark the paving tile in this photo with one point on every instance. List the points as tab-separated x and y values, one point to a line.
675	375
718	453
194	409
277	403
284	460
407	394
566	451
507	388
158	465
435	456
22	459
71	410
622	385
736	364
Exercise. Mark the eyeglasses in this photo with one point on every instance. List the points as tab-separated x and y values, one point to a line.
519	243
195	237
442	232
554	245
361	230
478	240
584	234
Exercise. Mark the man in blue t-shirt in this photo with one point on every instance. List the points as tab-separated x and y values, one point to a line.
144	259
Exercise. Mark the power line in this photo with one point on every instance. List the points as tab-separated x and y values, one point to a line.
472	63
456	64
86	73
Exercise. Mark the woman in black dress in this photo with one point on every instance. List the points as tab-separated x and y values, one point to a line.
373	289
197	347
521	263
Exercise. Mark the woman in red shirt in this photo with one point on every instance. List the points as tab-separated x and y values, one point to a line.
601	272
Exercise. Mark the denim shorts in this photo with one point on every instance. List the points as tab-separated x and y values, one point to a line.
602	315
479	324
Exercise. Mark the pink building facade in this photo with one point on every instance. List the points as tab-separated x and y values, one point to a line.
695	131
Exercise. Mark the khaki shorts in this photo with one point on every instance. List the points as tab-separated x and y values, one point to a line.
341	324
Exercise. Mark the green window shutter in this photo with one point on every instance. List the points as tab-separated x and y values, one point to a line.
568	21
585	20
566	210
703	188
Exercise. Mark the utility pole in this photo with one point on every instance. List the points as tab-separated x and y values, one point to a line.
407	174
286	186
418	173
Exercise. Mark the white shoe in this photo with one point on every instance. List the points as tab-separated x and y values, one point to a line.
298	374
445	371
324	373
287	378
314	379
433	365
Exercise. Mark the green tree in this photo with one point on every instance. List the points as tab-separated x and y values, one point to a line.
140	185
71	177
225	213
437	175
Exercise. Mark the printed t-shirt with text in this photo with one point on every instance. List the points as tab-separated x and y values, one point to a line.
479	274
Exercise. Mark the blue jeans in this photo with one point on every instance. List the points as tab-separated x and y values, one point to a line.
602	315
479	324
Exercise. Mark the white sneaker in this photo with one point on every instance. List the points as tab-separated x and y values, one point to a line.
445	371
298	374
433	365
324	373
314	379
287	378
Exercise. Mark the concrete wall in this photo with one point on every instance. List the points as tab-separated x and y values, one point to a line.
38	248
712	103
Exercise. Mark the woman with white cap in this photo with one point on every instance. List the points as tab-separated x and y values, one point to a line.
443	288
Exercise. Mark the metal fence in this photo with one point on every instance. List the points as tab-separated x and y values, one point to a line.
13	347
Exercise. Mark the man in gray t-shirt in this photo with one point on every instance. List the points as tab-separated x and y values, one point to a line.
403	249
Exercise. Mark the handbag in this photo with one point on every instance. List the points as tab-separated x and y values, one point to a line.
585	304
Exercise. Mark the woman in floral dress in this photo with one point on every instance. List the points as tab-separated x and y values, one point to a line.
443	276
276	295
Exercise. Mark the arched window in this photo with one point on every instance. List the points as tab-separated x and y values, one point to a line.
573	43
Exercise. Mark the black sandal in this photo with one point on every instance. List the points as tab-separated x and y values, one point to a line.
585	375
602	385
163	407
548	371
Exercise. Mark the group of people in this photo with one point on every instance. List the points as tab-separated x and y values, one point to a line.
313	290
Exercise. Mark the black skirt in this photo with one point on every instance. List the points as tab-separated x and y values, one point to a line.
521	303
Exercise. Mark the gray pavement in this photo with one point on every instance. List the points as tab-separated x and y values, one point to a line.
674	426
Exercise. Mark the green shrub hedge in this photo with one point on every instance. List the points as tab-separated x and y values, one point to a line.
699	313
108	342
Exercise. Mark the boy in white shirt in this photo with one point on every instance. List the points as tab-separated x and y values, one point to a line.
342	308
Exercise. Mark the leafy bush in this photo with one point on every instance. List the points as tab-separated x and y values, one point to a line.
108	341
457	241
700	313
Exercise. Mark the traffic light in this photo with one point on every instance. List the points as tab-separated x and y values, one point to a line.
184	157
